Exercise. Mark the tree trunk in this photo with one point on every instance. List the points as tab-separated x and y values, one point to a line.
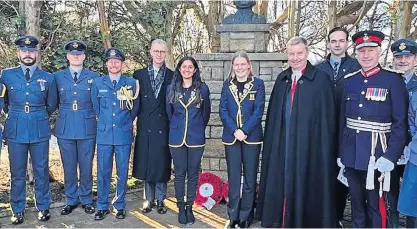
261	7
297	20
331	14
403	19
214	19
291	29
104	25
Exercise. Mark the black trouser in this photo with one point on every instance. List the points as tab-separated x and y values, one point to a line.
365	203
392	196
187	161
341	193
236	155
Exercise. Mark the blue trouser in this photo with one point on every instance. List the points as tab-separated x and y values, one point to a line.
76	153
18	156
105	168
187	161
236	155
365	203
392	197
407	203
158	189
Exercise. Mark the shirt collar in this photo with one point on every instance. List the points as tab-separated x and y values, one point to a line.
408	76
72	72
117	78
31	69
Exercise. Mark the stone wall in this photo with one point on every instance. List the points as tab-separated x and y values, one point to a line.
214	70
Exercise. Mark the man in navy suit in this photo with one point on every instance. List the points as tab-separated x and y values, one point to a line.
29	103
76	128
115	103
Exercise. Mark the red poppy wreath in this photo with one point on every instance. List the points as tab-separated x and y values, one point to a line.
209	190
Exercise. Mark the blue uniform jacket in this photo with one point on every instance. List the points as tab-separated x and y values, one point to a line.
245	113
412	118
355	145
188	121
76	118
115	120
28	104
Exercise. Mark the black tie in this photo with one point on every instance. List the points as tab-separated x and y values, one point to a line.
75	76
114	83
336	64
27	74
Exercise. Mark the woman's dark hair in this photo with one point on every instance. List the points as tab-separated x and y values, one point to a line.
177	81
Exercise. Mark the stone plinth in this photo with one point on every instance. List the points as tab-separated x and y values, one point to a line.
248	37
215	68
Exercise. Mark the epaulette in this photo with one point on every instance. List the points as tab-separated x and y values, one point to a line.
351	74
393	70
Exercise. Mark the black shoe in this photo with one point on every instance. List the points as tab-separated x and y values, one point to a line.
190	215
147	206
234	223
182	213
44	215
101	214
88	208
161	207
67	209
245	224
121	214
17	218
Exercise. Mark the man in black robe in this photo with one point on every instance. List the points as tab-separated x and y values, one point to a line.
298	171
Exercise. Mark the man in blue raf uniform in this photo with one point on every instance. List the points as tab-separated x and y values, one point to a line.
337	64
29	102
115	102
373	129
76	127
405	59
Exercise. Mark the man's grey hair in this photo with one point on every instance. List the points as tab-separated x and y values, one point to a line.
297	40
159	42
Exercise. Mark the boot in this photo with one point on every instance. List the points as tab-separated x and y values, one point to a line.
190	215
182	214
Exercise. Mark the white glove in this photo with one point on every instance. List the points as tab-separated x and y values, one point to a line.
339	163
384	165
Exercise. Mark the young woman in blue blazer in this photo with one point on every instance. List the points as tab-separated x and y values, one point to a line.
241	108
188	109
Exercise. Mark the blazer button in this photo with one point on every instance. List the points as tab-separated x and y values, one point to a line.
146	96
149	131
160	132
160	115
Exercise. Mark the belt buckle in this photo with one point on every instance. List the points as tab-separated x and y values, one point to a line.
74	106
27	110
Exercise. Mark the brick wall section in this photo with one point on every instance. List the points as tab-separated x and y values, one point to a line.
214	70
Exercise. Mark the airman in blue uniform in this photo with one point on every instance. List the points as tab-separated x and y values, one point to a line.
115	102
29	103
405	59
188	109
373	129
242	105
76	128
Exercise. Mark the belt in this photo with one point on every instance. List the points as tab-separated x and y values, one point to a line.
375	127
26	108
76	106
378	131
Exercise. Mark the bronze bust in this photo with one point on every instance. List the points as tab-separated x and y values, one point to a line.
244	14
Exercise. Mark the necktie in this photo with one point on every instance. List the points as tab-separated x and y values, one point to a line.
114	83
335	68
75	76
27	74
293	88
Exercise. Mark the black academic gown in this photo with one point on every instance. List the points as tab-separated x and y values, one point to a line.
302	174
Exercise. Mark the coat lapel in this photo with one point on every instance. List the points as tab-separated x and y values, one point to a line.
106	81
83	75
68	76
20	74
35	75
412	83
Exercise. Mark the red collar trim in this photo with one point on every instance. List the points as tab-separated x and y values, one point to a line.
371	72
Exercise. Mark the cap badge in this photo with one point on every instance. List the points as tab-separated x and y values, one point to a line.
365	37
75	45
27	41
402	46
112	52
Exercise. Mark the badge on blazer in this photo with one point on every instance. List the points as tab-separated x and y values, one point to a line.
376	94
90	81
251	96
42	84
198	105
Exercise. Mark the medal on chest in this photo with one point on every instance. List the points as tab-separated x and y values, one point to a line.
376	94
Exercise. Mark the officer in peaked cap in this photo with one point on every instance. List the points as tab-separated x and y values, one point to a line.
30	103
116	104
373	129
76	127
405	60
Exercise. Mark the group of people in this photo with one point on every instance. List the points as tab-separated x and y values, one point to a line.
344	112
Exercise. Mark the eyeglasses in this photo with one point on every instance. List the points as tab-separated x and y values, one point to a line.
159	52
